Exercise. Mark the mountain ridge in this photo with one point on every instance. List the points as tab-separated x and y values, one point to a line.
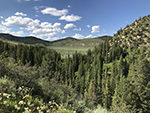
135	35
68	41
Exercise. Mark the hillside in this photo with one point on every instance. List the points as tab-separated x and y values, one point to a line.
69	41
135	35
72	42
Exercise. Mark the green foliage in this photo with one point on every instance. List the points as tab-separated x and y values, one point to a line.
23	102
114	75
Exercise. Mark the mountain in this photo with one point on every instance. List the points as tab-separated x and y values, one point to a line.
69	41
26	40
72	42
135	35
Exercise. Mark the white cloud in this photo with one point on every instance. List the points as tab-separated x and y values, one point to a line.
68	26
23	23
63	31
38	7
20	14
88	26
89	36
52	39
54	11
69	6
17	33
1	17
37	28
76	29
56	25
95	29
27	0
70	18
78	36
19	0
37	0
4	29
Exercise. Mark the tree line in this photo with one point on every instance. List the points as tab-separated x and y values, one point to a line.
109	76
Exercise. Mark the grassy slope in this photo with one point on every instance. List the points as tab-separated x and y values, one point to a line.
70	45
72	42
66	45
65	50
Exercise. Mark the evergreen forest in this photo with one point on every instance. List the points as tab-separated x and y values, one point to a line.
114	77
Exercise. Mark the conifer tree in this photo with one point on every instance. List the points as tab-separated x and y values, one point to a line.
139	77
119	99
90	95
106	90
49	65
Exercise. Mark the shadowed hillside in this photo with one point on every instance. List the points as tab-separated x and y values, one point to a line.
25	40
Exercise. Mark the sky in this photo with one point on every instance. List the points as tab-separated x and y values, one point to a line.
56	19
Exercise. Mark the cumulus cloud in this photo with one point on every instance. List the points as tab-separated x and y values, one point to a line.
4	29
78	36
56	25
95	29
70	18
20	14
17	33
54	11
1	17
23	23
88	26
89	36
76	29
37	28
52	39
69	26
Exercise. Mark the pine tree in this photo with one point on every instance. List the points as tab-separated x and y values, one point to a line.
49	65
90	95
106	90
139	77
120	68
119	99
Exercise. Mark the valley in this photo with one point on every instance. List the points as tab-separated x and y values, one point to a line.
103	74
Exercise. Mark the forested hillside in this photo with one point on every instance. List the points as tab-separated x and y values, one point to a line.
114	77
67	42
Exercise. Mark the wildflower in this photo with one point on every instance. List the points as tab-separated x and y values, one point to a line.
4	102
5	94
29	103
8	95
37	108
16	107
48	111
19	88
21	102
26	96
40	111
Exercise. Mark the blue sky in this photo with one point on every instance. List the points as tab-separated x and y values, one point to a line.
56	19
